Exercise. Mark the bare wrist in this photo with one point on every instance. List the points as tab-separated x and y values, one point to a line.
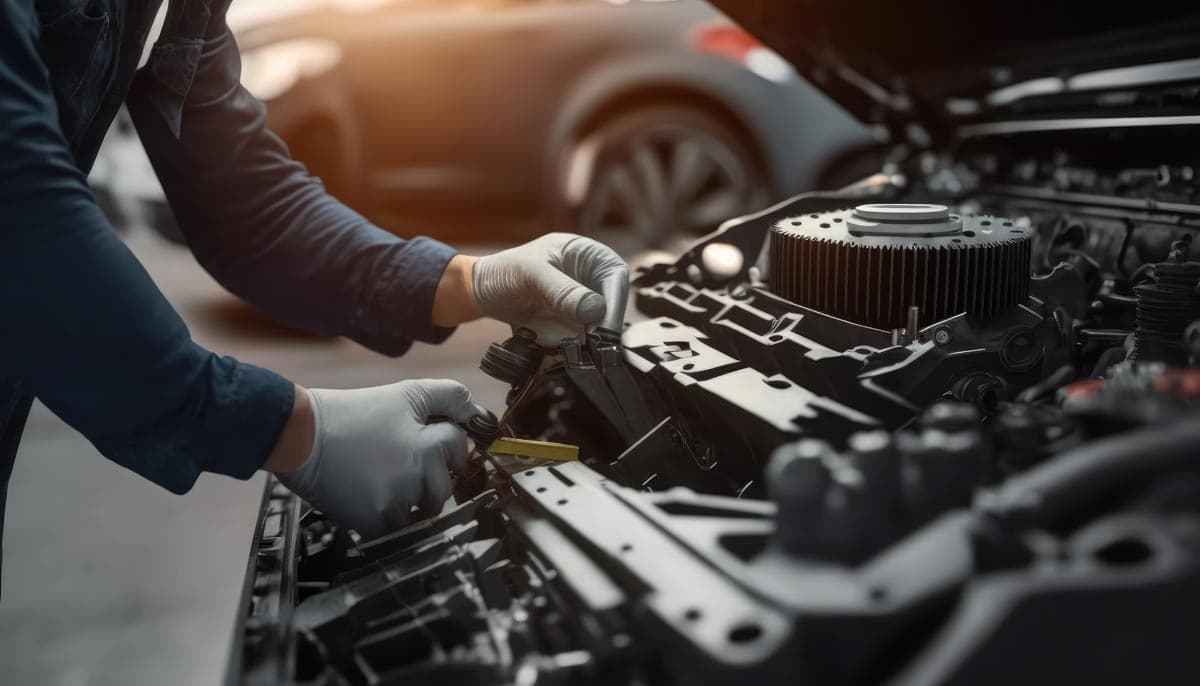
295	442
454	301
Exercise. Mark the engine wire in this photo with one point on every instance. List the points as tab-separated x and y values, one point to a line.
501	428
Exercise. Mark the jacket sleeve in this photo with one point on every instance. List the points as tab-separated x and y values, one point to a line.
259	223
84	327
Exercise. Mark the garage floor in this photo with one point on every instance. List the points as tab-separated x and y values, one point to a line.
109	579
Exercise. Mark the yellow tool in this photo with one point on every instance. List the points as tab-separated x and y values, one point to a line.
522	447
538	450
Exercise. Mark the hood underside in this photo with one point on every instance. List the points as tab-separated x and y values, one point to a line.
944	65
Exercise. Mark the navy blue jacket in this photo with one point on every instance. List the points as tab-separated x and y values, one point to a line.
83	328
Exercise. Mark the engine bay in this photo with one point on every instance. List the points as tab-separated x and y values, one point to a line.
938	427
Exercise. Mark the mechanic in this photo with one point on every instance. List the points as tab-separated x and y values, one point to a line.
86	331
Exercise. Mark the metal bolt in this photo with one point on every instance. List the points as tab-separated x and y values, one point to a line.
948	415
874	455
942	336
913	324
797	481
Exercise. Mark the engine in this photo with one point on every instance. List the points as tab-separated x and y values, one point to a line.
865	436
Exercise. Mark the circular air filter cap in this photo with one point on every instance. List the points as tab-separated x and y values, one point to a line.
910	219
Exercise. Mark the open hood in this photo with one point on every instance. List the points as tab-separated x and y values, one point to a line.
934	69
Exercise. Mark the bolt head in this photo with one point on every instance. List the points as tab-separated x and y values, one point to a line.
797	472
950	416
870	441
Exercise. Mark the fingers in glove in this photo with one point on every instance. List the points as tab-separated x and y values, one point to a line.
375	524
441	398
552	330
611	278
599	268
566	297
395	516
437	491
615	288
446	444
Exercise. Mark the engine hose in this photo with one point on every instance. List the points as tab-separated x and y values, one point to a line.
1052	491
1048	385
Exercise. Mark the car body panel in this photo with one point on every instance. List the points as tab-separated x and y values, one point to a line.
438	93
433	102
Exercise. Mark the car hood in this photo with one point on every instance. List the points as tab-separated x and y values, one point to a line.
943	67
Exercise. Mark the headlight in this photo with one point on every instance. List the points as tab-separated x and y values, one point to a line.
272	70
768	64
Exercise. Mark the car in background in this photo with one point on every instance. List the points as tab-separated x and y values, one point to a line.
640	123
124	183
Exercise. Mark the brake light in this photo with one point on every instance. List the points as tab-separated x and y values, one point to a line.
726	40
733	43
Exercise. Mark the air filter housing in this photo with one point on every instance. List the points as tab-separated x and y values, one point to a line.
870	264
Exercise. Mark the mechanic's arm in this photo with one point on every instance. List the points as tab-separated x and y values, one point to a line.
262	226
84	327
269	233
87	332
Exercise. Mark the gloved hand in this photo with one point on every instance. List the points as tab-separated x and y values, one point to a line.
376	454
554	285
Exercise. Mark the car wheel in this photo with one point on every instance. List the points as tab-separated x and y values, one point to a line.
656	178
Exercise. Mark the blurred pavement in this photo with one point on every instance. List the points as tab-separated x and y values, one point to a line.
109	579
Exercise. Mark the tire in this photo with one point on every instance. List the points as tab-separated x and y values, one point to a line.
657	178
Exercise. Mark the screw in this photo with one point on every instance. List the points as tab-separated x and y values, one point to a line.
942	336
913	324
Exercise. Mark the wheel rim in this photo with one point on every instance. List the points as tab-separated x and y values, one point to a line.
666	186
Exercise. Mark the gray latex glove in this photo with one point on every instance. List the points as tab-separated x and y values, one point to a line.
554	285
377	454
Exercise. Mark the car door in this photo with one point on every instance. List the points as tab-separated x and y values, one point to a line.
456	95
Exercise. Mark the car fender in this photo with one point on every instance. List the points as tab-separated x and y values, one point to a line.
766	110
325	99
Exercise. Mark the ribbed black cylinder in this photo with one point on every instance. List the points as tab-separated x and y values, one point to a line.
1164	310
819	262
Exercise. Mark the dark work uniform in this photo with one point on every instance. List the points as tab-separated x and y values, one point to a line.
83	328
